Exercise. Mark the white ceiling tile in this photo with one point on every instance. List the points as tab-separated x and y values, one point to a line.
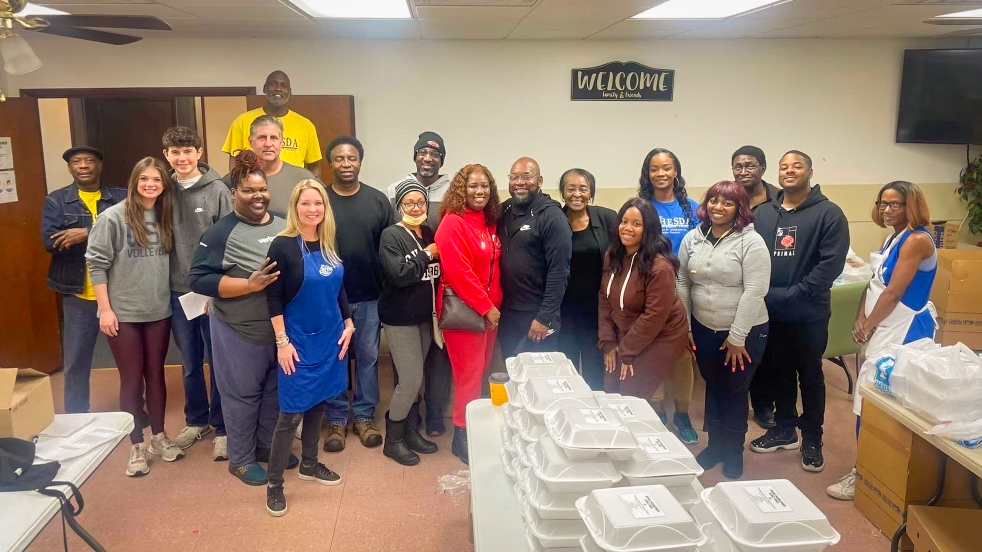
156	10
49	2
815	9
822	28
277	11
395	29
739	28
421	3
619	32
224	3
473	13
576	18
445	29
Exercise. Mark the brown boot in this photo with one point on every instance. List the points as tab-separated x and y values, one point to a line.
370	436
334	442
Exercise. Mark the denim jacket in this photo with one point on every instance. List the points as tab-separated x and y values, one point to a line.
63	210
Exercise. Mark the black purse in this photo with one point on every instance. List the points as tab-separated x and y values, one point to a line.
457	315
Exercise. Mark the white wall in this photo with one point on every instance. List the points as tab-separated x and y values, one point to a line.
496	101
56	139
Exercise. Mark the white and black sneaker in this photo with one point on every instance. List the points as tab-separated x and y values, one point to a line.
275	501
776	439
811	457
319	473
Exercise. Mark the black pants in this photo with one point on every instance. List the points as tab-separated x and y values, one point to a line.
761	398
283	435
437	379
513	334
793	357
726	390
578	341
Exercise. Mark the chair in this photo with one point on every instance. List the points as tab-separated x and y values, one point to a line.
845	305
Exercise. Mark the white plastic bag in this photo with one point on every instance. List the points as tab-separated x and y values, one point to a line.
855	271
942	384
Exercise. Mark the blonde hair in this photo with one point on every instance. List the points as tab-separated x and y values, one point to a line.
326	230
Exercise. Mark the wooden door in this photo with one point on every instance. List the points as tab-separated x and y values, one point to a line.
332	116
29	333
127	130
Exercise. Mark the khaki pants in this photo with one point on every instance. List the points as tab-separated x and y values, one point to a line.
681	382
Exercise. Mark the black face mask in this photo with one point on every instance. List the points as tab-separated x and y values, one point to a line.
18	472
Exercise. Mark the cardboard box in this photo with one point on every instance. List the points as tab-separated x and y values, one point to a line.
959	327
935	529
26	404
945	234
896	468
956	288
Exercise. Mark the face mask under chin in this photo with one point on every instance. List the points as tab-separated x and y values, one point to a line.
410	220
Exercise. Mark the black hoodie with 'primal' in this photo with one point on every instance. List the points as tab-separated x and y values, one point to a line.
808	246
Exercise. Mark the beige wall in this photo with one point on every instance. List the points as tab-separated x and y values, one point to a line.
56	137
218	114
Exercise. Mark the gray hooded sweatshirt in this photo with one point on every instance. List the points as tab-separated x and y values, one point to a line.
137	276
196	209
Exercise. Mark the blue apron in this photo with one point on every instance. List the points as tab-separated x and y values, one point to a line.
314	325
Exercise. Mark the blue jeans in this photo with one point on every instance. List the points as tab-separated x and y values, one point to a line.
193	338
368	329
80	332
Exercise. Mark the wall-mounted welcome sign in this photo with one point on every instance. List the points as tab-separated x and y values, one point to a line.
623	81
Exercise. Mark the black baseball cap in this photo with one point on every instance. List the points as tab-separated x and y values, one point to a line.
67	156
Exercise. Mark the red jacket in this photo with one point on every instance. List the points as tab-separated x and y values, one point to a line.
470	253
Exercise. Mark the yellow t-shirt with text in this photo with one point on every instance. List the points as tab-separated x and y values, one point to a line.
300	145
91	200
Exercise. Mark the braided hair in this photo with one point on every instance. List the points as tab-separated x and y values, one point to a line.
247	163
647	189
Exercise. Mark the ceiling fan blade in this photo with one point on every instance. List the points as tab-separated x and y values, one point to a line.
109	22
115	39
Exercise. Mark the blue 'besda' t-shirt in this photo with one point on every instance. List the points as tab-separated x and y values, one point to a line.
673	222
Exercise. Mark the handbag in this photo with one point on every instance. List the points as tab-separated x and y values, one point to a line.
457	315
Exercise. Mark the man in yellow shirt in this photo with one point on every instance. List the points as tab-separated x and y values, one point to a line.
66	220
300	145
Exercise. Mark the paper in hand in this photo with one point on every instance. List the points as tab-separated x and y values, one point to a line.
193	304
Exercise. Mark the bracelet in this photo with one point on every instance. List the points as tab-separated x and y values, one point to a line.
283	342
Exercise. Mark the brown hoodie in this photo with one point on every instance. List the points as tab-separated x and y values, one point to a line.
645	321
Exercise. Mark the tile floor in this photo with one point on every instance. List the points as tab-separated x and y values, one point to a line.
194	505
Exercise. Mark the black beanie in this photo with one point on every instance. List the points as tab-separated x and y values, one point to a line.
431	140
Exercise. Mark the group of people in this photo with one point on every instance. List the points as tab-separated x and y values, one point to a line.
300	274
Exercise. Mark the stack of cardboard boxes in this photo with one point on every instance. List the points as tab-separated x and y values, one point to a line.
957	295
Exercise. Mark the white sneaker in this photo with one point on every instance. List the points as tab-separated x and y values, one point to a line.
220	451
190	434
139	464
299	430
845	489
162	445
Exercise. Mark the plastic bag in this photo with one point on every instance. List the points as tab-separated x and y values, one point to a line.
942	384
855	271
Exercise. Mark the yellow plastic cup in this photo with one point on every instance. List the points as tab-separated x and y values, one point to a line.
499	394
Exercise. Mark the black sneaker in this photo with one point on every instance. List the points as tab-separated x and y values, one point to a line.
275	501
319	473
811	457
775	439
262	455
765	419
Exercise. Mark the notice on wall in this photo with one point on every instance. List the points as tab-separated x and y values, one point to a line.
622	82
8	181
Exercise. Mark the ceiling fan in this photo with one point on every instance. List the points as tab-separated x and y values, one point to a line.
74	26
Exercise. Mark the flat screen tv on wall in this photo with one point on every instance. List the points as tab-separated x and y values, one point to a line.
941	97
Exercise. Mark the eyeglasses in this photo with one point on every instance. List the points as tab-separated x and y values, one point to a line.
522	177
418	204
891	205
433	154
745	168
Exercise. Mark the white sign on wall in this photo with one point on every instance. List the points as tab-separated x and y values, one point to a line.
8	181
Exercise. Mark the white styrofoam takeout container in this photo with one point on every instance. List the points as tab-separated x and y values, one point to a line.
521	451
635	413
719	541
639	519
561	475
547	504
545	394
660	459
769	515
528	427
551	533
507	434
536	546
584	433
527	365
506	463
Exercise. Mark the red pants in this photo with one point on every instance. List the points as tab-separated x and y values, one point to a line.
470	357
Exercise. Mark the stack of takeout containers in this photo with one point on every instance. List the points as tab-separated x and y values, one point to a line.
759	516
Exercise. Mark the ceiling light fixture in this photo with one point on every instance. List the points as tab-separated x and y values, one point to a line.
354	9
970	14
18	56
705	9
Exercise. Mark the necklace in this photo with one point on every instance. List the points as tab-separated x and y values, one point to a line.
706	257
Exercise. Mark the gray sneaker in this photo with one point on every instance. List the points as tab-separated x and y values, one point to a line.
220	451
139	464
162	445
845	489
190	434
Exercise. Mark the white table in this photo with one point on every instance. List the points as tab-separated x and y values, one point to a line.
498	525
23	515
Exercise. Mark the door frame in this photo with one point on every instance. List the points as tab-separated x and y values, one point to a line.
137	93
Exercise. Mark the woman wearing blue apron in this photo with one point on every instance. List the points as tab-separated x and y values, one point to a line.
895	308
312	321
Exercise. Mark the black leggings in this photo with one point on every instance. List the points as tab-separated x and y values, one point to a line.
140	349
